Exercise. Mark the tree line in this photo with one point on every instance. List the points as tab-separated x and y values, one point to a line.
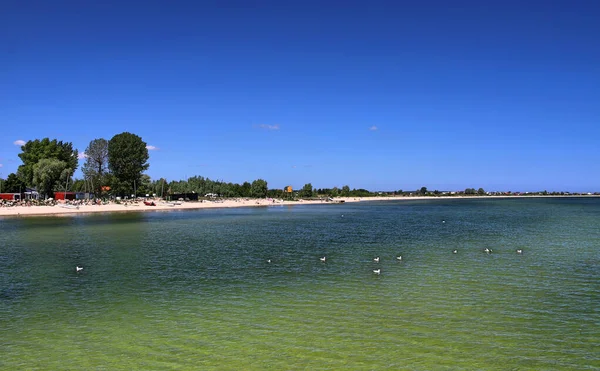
116	167
112	167
49	165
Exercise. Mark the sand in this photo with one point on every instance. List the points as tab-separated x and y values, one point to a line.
62	209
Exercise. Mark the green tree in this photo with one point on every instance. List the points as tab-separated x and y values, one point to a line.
246	190
259	188
79	185
96	164
423	191
345	191
335	191
127	159
306	191
144	187
481	191
49	173
36	150
13	184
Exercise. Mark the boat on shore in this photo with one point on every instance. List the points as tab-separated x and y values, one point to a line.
149	203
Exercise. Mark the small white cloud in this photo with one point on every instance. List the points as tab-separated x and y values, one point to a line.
82	155
1	165
373	128
19	142
152	148
269	127
293	166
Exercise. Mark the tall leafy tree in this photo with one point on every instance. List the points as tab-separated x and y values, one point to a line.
246	189
259	188
13	184
36	150
306	191
49	173
96	164
127	159
345	191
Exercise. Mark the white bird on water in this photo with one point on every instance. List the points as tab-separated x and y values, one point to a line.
376	260
399	257
377	271
323	259
77	268
519	251
489	251
455	251
268	260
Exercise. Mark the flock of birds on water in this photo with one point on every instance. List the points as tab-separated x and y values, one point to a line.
376	259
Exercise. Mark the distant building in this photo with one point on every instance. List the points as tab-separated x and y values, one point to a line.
64	195
31	194
10	196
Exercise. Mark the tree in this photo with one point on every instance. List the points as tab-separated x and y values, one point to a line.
13	184
35	150
127	159
96	164
345	191
144	186
306	191
48	173
481	191
259	188
246	190
335	191
423	191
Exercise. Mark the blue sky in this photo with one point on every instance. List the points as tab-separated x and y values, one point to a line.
382	95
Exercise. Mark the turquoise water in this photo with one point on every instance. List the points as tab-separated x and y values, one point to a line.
193	290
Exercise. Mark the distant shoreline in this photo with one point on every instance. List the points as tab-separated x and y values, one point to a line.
61	210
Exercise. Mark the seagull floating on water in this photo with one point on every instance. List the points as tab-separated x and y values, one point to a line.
519	251
377	271
376	260
399	257
268	260
455	251
323	259
489	251
77	268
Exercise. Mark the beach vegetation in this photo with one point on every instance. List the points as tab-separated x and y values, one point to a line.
50	173
127	159
259	188
306	191
345	191
12	184
37	150
95	167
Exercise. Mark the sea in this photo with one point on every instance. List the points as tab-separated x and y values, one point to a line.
246	288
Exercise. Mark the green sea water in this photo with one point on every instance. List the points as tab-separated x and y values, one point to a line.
193	290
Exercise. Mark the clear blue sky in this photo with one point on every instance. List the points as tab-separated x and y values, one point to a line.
382	95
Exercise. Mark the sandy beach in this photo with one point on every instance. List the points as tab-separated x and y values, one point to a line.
63	209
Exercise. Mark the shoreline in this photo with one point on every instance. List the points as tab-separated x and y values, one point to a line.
60	210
